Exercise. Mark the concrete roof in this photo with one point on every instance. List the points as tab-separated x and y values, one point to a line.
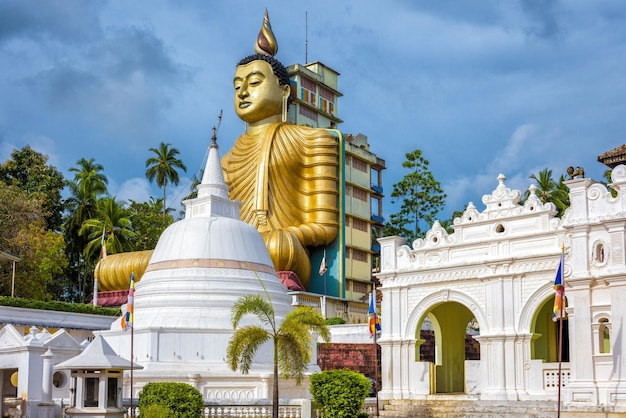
98	356
8	257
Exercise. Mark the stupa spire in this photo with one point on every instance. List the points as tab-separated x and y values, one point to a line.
212	199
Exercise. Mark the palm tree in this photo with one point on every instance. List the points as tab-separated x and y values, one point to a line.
162	167
112	220
549	190
88	185
291	339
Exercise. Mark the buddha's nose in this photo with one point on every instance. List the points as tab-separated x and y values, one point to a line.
243	91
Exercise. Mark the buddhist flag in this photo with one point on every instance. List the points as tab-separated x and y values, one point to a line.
323	266
128	318
559	297
374	322
103	248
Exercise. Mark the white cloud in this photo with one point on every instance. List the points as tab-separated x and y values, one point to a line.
137	189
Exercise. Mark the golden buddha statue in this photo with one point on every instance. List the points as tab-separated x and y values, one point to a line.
285	175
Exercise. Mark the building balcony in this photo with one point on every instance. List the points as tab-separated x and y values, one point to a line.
377	189
378	219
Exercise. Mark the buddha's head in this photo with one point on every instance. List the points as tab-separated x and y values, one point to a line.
261	82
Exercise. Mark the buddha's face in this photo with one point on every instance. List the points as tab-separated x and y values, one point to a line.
258	94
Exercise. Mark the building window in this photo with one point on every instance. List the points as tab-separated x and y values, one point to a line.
359	194
308	113
91	392
112	392
359	165
307	91
359	255
360	287
360	225
59	380
327	99
605	336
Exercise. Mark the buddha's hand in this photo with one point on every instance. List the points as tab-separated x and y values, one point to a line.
313	234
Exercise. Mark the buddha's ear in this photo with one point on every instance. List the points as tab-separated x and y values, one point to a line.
285	90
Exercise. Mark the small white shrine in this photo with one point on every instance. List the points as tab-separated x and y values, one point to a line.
496	272
95	382
28	382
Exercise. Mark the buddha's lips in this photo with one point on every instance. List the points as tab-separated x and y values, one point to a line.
244	104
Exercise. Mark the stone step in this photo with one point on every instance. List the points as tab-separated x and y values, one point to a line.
468	408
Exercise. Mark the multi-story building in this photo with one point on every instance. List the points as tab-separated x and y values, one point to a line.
353	255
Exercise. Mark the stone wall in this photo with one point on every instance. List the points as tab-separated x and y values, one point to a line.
359	357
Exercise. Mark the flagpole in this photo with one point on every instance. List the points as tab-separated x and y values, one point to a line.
561	308
376	355
132	336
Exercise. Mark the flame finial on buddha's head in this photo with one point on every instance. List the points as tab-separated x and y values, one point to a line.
266	43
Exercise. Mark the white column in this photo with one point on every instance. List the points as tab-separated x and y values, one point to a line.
48	371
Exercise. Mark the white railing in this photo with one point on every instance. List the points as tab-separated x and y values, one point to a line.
352	311
241	411
255	411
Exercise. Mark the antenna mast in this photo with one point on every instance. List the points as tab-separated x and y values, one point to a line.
306	37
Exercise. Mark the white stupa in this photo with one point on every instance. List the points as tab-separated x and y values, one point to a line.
200	267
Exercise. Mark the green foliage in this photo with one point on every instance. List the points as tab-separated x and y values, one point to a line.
182	399
29	171
112	220
148	223
291	339
156	411
24	234
336	320
420	197
549	190
163	166
55	305
339	393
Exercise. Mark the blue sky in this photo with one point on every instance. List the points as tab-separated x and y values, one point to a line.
481	87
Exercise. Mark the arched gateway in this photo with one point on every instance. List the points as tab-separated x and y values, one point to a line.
489	285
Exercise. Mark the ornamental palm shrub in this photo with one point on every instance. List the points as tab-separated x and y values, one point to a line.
339	393
182	399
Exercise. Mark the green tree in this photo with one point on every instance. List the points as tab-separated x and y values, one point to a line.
180	399
548	190
339	393
24	234
29	170
89	185
291	339
112	221
148	223
420	197
163	167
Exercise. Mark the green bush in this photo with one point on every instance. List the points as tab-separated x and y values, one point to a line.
156	411
55	305
339	393
182	400
336	320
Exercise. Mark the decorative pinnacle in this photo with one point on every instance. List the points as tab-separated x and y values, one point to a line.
266	43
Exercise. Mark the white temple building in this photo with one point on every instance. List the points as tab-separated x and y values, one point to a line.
182	306
497	272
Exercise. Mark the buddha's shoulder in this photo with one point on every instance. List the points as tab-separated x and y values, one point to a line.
309	133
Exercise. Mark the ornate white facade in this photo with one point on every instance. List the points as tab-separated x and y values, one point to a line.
497	271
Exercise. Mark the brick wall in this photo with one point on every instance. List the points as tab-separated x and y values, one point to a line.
359	357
